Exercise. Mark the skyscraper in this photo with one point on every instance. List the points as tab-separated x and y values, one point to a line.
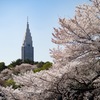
27	50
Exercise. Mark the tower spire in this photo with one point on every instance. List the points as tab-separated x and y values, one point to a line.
27	24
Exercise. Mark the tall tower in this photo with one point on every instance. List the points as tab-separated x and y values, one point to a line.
27	50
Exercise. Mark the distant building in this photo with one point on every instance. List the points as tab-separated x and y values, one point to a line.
27	50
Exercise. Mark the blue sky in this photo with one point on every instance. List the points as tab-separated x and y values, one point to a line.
43	16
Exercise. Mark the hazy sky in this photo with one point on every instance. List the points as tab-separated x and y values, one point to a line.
43	16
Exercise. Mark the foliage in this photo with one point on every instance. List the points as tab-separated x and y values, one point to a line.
10	82
2	66
40	64
47	65
19	62
28	61
14	63
44	66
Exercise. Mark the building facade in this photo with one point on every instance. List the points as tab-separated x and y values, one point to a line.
27	49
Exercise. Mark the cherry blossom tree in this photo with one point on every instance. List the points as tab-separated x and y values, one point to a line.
78	40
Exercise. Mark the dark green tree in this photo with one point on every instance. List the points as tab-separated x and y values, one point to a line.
2	66
28	61
40	64
14	63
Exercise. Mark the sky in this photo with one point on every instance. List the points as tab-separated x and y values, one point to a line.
43	16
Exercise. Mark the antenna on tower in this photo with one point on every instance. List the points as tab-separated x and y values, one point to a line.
27	19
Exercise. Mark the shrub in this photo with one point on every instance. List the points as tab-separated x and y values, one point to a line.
40	64
45	66
10	82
